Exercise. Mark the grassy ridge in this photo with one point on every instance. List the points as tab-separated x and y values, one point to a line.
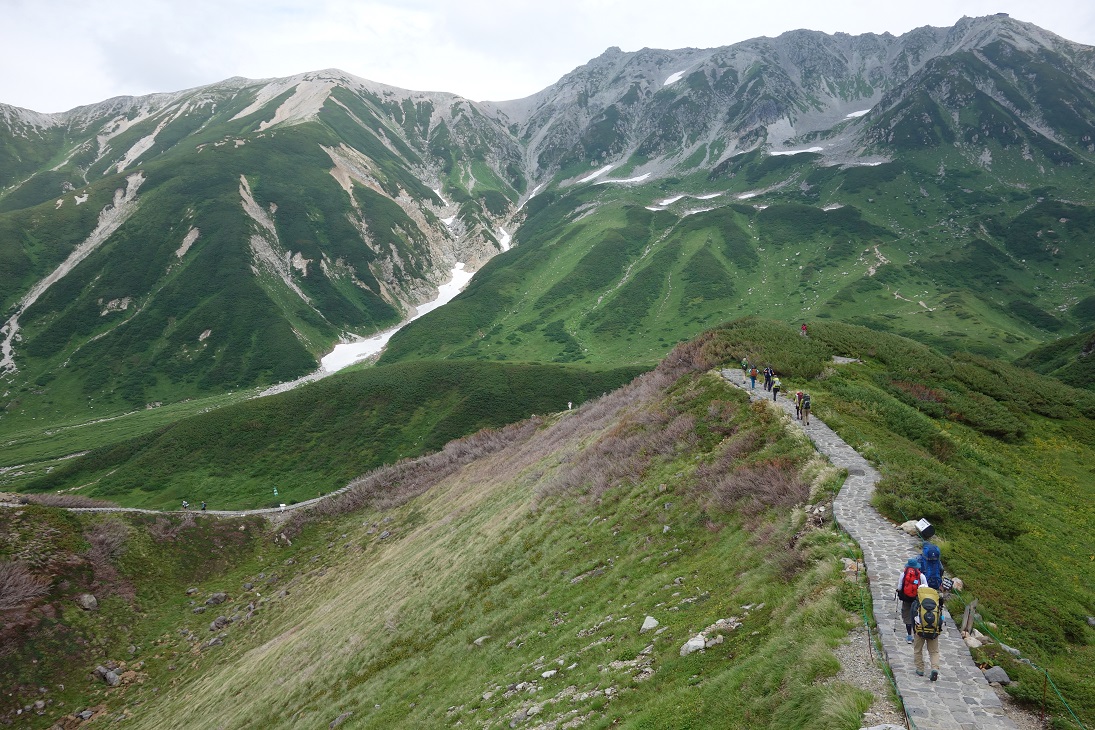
522	547
316	438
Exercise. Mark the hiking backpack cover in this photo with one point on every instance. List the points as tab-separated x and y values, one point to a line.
931	566
910	583
927	613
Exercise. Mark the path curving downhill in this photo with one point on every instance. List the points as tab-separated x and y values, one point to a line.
961	699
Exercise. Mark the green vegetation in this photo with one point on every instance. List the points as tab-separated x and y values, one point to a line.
517	542
315	438
997	458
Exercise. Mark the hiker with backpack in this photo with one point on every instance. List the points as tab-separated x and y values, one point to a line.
798	405
753	376
776	387
907	586
805	409
927	610
768	373
744	369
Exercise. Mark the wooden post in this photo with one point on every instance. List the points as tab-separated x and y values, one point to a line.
967	616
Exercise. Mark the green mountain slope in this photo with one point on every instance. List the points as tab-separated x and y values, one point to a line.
1068	359
315	439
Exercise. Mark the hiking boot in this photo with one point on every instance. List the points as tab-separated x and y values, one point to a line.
935	675
920	672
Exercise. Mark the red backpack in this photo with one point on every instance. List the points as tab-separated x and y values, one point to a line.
910	582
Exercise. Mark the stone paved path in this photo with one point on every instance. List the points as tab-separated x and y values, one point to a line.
961	699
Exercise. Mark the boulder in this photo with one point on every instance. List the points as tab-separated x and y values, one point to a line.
649	624
909	527
973	643
549	673
1091	621
218	623
216	599
997	674
696	643
480	640
191	591
87	601
111	678
340	719
1010	650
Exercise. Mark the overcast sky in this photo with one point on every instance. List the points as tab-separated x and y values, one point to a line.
58	54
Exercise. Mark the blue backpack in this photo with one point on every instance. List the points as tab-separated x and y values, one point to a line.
931	566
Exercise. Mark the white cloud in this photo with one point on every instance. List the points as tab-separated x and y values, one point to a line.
63	53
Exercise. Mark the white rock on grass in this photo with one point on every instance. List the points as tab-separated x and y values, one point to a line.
649	624
696	643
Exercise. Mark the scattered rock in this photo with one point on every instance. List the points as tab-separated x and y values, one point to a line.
549	673
85	715
385	535
199	609
649	624
247	586
958	585
215	641
216	599
714	642
997	674
191	591
696	643
972	643
1010	650
340	719
910	527
1091	621
87	601
218	623
480	640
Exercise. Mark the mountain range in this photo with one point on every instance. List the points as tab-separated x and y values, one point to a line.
167	246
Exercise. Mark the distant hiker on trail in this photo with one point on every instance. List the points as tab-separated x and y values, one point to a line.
753	376
768	373
805	409
803	329
186	505
907	586
203	505
776	387
744	369
798	405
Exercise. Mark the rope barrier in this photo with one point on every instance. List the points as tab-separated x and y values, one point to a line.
985	630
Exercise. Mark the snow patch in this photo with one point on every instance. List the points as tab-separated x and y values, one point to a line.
80	198
348	353
638	179
693	212
832	206
596	173
670	201
504	239
673	78
531	195
437	192
708	196
654	208
187	242
746	196
448	221
795	152
853	115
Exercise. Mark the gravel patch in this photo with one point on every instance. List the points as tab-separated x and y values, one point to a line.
859	669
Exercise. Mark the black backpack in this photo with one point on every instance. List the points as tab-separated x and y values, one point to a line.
806	400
